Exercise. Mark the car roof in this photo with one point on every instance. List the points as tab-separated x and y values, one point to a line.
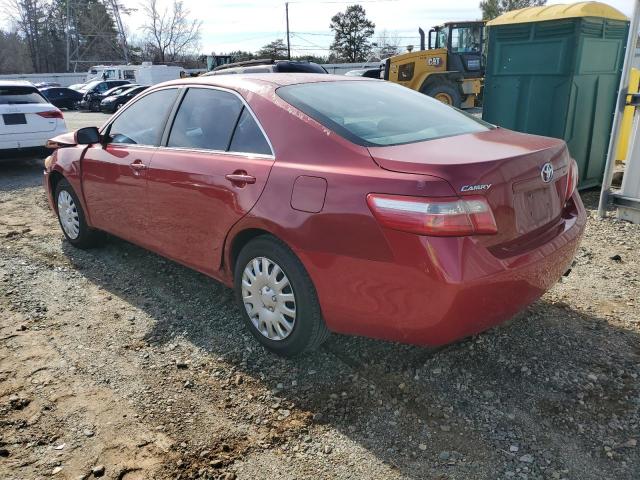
257	80
16	83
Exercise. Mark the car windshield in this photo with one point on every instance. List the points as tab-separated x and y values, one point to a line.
374	113
88	86
20	95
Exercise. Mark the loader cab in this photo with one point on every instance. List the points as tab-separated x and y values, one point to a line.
463	42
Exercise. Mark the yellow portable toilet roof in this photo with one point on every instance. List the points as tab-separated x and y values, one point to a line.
557	12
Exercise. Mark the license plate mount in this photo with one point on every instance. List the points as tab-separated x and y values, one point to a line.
14	119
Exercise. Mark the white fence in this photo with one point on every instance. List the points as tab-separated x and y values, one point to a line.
342	68
64	79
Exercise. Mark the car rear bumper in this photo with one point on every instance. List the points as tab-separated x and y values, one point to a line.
22	141
438	290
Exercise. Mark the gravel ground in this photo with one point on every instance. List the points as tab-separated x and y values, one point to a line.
116	363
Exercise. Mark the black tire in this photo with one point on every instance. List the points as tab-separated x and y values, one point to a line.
445	89
87	237
309	330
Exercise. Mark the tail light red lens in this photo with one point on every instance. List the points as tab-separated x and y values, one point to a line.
442	217
572	178
51	114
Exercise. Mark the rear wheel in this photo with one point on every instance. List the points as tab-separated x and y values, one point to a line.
277	299
71	217
446	93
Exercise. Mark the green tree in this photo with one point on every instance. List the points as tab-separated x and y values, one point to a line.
242	55
309	58
275	50
494	8
352	34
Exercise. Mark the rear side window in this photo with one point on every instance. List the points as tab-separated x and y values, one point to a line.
248	137
205	120
143	122
20	95
372	113
297	67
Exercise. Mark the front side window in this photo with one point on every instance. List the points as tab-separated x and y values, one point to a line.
372	113
142	123
466	39
20	95
205	120
443	38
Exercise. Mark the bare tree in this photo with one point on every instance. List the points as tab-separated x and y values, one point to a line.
29	18
170	32
386	44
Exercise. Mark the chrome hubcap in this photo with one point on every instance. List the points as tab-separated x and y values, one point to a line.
268	298
68	214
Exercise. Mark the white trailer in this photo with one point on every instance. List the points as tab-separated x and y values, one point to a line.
112	72
149	74
145	74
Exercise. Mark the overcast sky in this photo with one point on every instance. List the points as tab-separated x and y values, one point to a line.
249	24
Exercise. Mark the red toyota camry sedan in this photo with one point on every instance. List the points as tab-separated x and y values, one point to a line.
330	204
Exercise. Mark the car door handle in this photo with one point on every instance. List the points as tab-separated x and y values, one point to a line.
138	165
240	178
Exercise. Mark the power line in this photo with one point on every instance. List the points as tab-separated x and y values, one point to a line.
345	1
331	35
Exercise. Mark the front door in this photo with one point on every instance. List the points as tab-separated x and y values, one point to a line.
210	174
114	177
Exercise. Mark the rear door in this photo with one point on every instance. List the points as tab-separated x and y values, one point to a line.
114	177
209	175
19	111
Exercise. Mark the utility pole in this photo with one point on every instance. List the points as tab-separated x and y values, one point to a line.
286	7
68	35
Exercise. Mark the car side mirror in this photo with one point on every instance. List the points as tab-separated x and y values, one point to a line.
87	136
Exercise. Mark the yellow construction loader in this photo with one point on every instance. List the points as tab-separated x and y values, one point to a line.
450	70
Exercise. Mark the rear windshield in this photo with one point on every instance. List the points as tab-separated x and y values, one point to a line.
376	113
20	95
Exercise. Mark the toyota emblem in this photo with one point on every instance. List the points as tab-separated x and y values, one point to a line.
547	172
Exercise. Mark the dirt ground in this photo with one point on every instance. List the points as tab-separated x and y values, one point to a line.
116	363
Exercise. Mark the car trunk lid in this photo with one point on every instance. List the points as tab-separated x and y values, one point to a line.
501	165
24	118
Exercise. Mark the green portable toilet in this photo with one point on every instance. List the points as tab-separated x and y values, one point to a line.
554	71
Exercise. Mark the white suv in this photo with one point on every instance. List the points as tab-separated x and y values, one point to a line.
27	119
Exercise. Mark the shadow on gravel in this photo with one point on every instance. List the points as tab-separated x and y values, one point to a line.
554	384
20	172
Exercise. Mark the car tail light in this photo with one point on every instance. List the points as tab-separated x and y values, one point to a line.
51	114
442	217
572	178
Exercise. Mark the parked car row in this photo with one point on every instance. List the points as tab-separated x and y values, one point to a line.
101	95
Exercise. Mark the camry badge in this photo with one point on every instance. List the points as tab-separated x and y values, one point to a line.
476	188
547	172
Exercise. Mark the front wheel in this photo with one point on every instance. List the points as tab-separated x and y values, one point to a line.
277	299
71	217
446	93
